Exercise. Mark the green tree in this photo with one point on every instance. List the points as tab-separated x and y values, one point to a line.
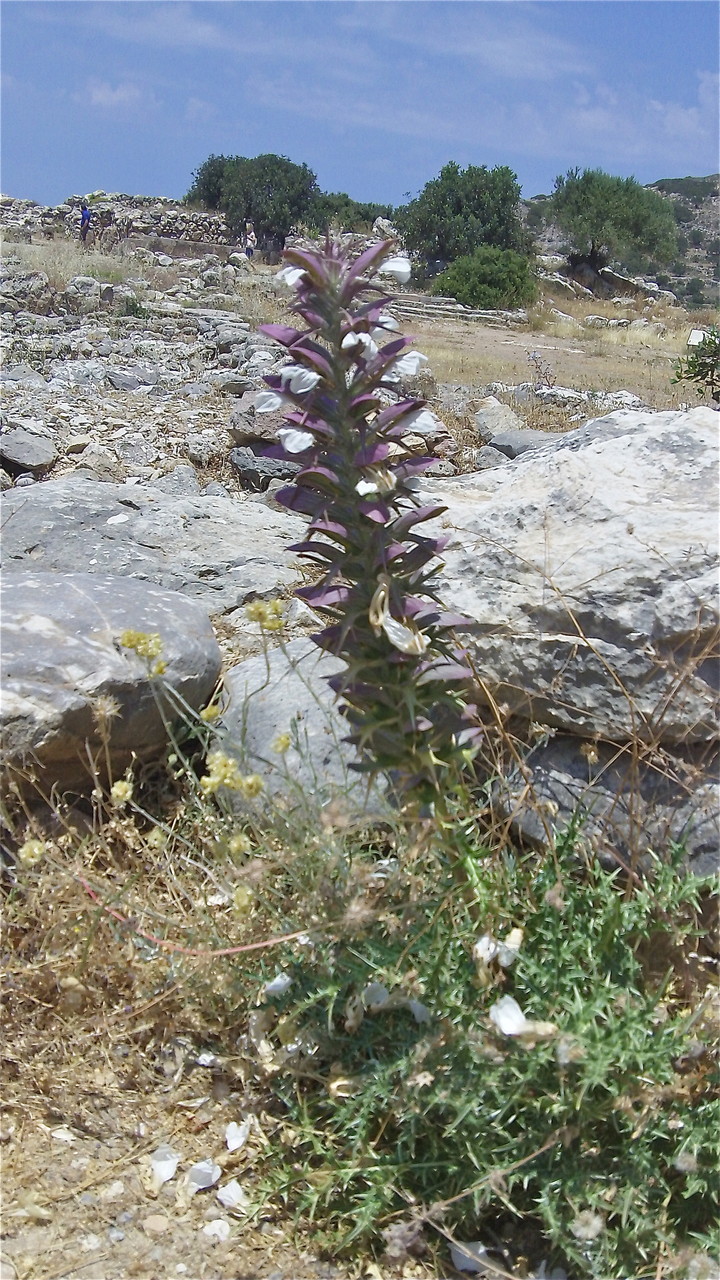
604	216
270	191
489	277
207	185
337	209
461	209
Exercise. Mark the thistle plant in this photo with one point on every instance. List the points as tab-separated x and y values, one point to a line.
404	682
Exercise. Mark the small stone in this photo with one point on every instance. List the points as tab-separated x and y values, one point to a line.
156	1224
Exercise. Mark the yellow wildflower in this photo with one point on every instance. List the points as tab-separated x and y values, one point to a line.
269	613
210	712
281	743
31	852
239	843
121	792
242	898
145	644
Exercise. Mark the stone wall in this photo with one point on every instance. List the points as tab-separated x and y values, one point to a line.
138	215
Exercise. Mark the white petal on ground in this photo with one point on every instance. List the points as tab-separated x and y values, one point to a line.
398	267
232	1196
202	1175
278	985
236	1135
297	378
509	1017
294	441
268	402
164	1162
218	1229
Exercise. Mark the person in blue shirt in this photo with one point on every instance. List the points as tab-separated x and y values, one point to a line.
84	222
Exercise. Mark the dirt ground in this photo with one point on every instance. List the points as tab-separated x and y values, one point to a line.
78	1199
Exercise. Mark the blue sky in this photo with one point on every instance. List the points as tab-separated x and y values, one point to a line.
132	95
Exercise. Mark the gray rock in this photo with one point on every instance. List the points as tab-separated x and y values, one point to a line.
25	374
205	447
62	663
488	457
519	440
257	472
219	551
23	449
234	385
589	569
493	416
624	808
288	694
122	381
181	482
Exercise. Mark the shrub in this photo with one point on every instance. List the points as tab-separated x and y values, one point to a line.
410	1102
489	277
702	366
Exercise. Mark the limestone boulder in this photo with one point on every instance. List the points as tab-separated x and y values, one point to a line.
68	683
221	552
589	570
288	694
27	447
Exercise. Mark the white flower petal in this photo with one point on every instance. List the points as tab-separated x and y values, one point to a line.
164	1162
507	952
268	402
352	341
202	1175
509	1017
398	267
366	487
295	441
232	1196
277	985
296	378
218	1229
403	638
236	1135
289	276
485	949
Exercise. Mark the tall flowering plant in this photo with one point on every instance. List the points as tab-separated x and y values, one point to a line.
402	688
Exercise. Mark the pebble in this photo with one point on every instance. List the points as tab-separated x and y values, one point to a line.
156	1224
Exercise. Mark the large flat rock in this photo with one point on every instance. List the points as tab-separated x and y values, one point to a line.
589	569
218	551
68	684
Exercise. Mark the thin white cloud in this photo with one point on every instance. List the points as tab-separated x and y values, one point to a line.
198	111
124	97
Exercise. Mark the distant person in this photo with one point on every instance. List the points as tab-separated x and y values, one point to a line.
250	240
85	216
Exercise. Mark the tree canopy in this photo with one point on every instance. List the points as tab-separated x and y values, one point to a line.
604	217
336	208
461	209
270	191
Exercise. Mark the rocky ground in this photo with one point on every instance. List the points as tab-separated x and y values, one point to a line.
137	477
